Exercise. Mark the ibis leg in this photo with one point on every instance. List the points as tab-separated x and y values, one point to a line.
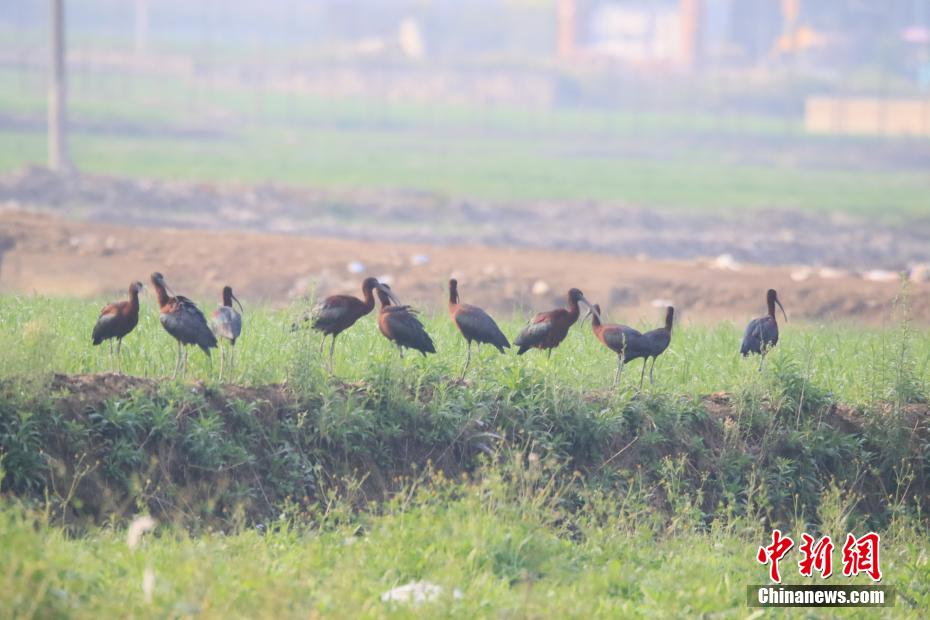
400	349
762	361
619	369
467	359
332	347
177	362
651	368
110	355
222	360
642	375
548	354
119	359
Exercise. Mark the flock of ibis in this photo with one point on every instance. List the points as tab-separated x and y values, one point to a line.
184	321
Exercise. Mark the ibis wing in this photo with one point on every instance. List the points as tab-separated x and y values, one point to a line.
334	310
760	333
534	333
106	323
187	323
476	324
407	331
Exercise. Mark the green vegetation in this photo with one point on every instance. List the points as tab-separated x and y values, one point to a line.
718	163
533	488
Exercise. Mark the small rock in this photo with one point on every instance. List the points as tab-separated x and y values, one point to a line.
356	267
726	262
804	273
416	592
540	287
386	279
661	303
829	273
418	260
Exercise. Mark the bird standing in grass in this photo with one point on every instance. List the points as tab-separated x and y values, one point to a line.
116	320
623	340
629	344
656	341
337	313
400	325
762	333
474	324
184	321
227	325
548	329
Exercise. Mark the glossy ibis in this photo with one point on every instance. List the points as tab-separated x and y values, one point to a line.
337	313
227	325
762	333
400	325
474	323
656	341
116	320
548	329
184	321
630	344
623	340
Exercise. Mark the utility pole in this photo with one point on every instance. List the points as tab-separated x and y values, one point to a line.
58	159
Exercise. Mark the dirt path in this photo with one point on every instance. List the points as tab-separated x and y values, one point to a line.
54	256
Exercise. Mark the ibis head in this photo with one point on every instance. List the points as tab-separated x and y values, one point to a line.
771	299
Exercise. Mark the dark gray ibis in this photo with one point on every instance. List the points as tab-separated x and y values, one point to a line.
474	324
184	321
400	325
762	333
227	325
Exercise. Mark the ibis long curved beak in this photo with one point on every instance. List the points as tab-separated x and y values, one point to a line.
783	313
591	309
387	290
238	303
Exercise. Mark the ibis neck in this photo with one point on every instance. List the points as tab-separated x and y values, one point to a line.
369	299
162	294
453	297
772	308
227	298
668	321
133	299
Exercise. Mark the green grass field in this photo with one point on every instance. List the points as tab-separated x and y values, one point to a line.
719	163
588	502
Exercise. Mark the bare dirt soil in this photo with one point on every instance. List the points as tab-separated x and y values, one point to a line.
766	237
51	255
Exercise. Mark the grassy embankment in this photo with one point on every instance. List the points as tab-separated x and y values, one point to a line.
533	488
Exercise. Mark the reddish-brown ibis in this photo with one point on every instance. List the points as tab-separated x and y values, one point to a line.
623	340
337	313
227	325
183	320
474	323
630	344
400	325
762	333
548	329
116	320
